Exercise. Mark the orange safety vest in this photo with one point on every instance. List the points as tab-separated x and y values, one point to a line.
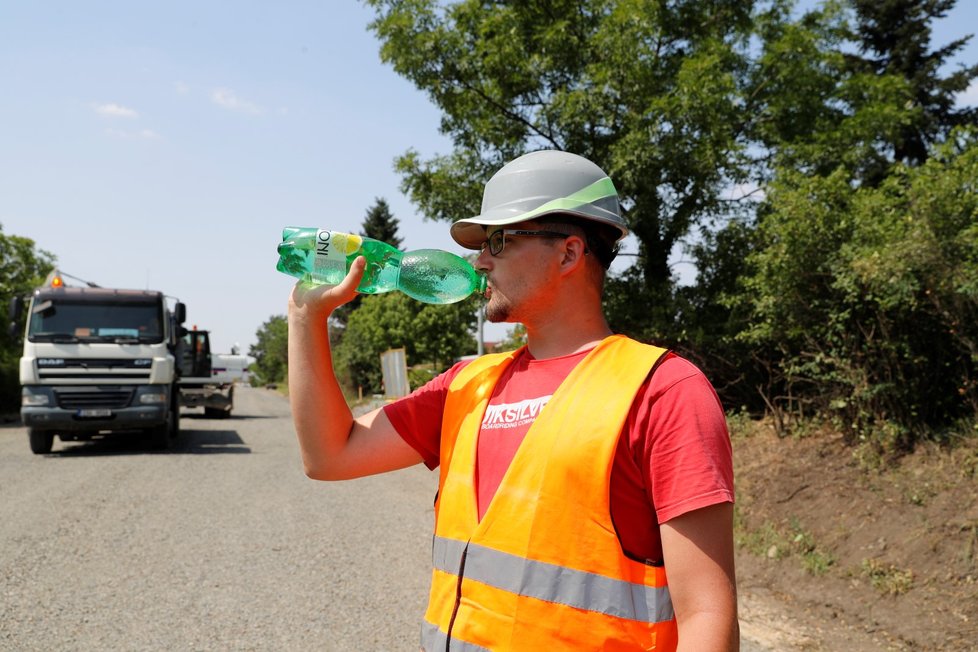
544	568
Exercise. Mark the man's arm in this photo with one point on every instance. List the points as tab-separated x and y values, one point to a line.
334	445
698	552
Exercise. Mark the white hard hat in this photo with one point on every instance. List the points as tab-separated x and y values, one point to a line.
539	183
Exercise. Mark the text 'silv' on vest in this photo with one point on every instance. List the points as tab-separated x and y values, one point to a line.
544	568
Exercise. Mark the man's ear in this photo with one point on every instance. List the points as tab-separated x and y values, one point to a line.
574	249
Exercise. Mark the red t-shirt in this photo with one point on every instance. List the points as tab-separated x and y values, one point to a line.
674	457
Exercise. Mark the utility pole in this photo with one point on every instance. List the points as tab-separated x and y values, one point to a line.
481	321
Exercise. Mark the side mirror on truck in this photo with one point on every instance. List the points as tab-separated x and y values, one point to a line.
13	315
177	330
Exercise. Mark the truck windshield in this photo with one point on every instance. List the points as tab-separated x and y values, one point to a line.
96	321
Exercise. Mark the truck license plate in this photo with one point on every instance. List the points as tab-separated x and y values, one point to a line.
95	413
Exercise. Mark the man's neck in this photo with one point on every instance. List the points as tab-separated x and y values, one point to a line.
559	337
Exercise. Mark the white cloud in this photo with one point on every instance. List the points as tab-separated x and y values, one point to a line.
139	134
113	110
970	96
181	88
226	98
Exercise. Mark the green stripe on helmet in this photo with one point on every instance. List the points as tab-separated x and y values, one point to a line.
600	189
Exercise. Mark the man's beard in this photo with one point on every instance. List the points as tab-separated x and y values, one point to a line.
498	310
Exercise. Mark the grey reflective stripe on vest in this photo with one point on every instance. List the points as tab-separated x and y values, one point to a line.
544	581
446	554
433	638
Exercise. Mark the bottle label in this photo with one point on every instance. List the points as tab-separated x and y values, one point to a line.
332	249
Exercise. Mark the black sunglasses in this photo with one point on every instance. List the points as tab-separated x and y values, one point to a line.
497	239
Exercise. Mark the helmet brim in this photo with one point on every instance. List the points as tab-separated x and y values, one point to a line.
471	232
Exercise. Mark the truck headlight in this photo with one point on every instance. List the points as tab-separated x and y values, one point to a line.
34	400
152	398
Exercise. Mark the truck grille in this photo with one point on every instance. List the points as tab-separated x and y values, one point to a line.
81	369
76	400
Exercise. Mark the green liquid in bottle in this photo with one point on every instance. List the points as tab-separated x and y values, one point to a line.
428	275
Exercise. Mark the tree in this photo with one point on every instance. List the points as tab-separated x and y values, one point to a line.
380	223
870	294
823	339
894	38
812	111
382	322
811	115
271	351
710	323
651	91
444	332
23	267
679	101
435	334
913	263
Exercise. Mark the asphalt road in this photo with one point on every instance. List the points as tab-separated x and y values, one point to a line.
220	543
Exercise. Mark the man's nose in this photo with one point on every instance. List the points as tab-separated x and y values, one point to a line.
483	262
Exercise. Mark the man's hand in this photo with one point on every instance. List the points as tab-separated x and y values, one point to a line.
319	301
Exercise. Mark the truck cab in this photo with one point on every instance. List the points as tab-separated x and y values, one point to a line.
96	361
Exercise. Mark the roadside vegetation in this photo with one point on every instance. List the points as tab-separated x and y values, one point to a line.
22	268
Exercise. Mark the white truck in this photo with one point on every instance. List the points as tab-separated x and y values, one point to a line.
96	361
207	379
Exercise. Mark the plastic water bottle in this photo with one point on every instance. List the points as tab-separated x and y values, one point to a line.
429	275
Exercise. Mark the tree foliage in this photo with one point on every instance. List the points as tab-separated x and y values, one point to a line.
445	332
870	295
807	163
813	111
514	340
820	338
271	350
894	39
648	90
380	223
23	267
433	334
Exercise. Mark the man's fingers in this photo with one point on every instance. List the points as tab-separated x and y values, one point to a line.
329	297
347	289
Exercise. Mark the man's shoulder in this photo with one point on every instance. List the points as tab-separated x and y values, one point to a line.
674	372
674	365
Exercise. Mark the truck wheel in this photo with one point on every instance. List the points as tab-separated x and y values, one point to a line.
162	435
41	441
175	430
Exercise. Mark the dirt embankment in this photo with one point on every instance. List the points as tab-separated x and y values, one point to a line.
836	554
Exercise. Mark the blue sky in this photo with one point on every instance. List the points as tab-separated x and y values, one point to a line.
165	145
